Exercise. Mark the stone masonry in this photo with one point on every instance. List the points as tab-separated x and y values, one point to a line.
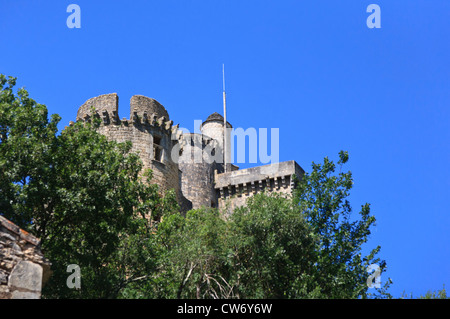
174	156
23	268
233	188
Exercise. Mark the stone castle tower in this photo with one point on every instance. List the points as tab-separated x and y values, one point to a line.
191	164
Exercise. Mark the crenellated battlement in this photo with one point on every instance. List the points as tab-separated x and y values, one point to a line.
236	186
105	102
145	112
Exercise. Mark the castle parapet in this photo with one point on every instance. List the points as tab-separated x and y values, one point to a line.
234	187
143	111
141	105
104	103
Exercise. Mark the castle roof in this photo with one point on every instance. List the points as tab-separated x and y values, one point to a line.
215	117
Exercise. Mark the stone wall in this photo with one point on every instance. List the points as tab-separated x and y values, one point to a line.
142	104
106	102
23	268
234	188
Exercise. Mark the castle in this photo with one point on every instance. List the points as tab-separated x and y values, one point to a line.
192	164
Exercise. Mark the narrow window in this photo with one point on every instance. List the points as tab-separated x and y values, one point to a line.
157	148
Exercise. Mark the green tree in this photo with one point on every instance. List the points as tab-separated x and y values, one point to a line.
439	294
192	260
81	194
340	270
272	248
263	250
27	140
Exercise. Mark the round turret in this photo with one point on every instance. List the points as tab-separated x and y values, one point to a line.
213	128
197	171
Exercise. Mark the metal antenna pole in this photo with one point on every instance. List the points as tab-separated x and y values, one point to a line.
225	135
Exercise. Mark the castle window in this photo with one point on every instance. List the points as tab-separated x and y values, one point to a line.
157	148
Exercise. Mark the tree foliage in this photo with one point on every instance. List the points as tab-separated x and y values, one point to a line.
273	247
437	294
262	251
340	270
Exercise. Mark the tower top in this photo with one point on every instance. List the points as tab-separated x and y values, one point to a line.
216	117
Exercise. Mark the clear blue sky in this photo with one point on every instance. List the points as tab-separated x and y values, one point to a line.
311	68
